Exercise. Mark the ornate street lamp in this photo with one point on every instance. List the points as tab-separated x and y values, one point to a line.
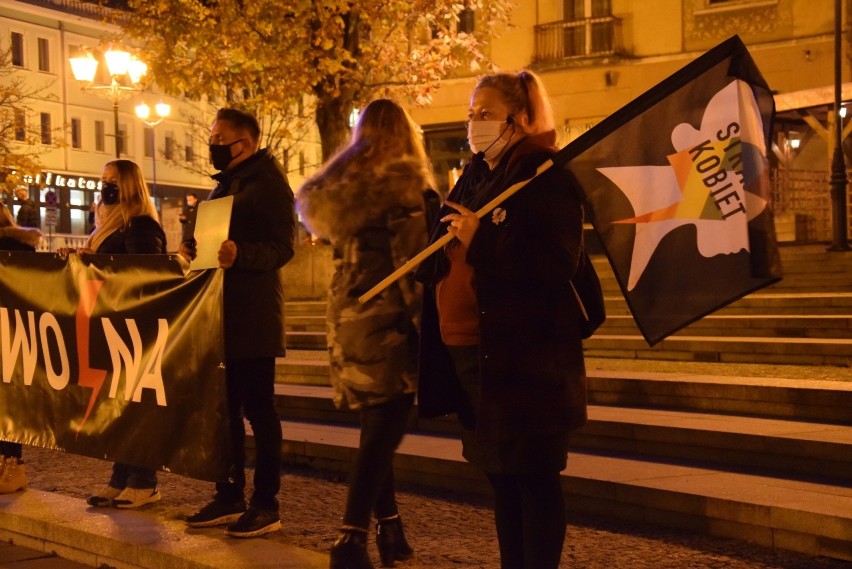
143	111
125	71
839	215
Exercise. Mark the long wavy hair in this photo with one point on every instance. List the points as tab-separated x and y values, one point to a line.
384	132
133	200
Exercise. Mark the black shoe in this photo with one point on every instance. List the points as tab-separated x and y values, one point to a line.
255	522
350	551
217	513
391	541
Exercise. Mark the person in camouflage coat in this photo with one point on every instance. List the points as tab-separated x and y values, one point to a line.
369	201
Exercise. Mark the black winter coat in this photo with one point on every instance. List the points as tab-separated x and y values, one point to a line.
28	214
263	225
142	236
531	355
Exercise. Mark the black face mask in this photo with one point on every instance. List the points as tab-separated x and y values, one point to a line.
109	193
220	154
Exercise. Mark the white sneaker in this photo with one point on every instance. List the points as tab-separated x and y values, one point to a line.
103	497
135	497
14	477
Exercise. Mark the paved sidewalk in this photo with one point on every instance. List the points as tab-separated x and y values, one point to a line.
448	530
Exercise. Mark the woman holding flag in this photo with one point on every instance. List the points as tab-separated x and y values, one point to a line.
500	343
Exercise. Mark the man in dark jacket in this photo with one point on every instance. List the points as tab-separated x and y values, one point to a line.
27	212
187	217
260	242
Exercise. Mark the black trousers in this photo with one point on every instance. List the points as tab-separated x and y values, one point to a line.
529	512
10	449
529	506
251	390
126	476
371	485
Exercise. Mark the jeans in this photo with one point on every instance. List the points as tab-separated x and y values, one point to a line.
10	449
251	389
126	476
371	486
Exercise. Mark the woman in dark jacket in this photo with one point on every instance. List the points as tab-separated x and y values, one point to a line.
13	475
126	223
501	344
368	201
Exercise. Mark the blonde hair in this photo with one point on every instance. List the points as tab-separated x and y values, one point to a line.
384	132
133	200
523	92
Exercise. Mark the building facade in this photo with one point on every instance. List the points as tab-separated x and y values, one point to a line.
595	56
41	36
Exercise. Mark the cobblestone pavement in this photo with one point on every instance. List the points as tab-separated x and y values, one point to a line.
447	530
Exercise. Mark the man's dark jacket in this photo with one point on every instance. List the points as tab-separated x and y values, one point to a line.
28	215
263	227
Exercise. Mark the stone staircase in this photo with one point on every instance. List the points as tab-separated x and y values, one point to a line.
806	319
765	460
768	460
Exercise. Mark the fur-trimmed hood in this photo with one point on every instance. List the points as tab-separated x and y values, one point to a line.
26	235
336	206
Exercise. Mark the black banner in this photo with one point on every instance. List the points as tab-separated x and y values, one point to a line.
677	188
118	357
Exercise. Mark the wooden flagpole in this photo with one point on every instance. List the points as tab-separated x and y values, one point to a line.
424	254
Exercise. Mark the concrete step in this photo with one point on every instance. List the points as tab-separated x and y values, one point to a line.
130	539
764	325
811	303
808	516
729	349
790	447
802	303
768	397
305	339
305	323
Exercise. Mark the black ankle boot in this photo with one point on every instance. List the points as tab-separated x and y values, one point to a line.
350	551
391	541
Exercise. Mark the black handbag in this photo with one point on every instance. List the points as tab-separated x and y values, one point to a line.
587	289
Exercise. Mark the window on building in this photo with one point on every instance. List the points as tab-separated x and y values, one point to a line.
170	146
188	150
46	130
100	136
43	54
20	125
76	133
17	49
148	142
466	20
583	34
578	9
122	138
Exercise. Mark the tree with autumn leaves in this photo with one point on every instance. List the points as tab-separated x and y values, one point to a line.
274	57
21	141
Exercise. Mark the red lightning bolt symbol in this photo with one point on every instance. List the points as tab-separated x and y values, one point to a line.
88	377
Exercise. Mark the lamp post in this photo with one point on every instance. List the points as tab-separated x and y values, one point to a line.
143	111
125	71
839	214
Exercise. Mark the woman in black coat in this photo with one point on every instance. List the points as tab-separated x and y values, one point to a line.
501	342
125	223
13	475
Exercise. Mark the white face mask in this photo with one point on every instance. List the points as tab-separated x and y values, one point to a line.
484	136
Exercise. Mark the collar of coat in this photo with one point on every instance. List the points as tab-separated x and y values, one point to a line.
243	169
337	205
26	235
